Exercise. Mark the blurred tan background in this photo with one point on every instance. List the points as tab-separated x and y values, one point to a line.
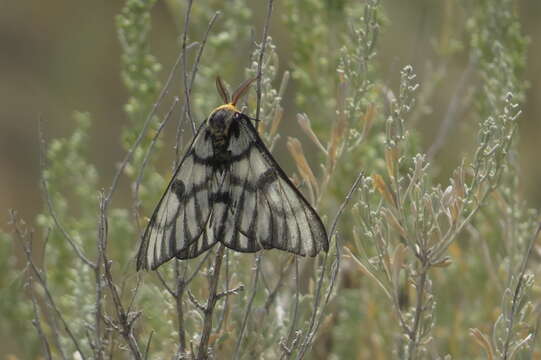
64	56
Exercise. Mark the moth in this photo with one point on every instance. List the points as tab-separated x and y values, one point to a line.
228	188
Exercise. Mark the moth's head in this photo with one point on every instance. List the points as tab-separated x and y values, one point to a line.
220	118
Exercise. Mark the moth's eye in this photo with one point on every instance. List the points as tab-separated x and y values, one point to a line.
236	116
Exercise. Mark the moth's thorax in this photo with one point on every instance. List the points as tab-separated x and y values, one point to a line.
219	124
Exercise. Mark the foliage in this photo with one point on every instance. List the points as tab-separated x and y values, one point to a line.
417	269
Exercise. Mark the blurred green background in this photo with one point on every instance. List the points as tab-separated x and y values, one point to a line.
64	56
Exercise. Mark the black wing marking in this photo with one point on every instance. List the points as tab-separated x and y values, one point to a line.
266	209
184	209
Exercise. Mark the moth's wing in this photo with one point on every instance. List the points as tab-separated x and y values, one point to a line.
216	188
229	207
203	243
184	209
266	209
219	225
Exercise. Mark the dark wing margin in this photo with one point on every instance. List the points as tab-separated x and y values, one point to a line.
183	212
267	210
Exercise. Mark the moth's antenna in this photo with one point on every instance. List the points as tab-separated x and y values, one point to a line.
251	118
222	90
241	90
